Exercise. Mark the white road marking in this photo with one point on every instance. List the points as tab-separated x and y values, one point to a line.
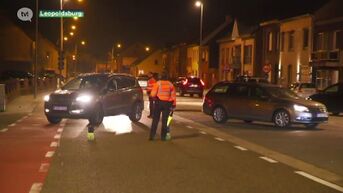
241	148
323	182
36	187
44	167
60	130
49	154
268	160
190	127
54	144
4	130
57	136
12	125
219	139
25	117
203	132
20	120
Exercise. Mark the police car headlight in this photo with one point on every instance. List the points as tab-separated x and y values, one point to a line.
300	108
84	98
46	98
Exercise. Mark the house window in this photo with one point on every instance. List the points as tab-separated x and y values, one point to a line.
282	41
222	54
270	41
278	41
227	56
339	40
291	41
248	54
305	38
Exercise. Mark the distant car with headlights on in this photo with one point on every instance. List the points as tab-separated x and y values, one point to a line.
93	96
262	102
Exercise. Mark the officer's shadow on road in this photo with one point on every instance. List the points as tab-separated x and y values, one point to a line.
174	137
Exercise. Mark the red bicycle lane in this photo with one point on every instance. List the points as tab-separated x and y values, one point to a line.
26	150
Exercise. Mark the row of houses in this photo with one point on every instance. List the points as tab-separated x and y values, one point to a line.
305	48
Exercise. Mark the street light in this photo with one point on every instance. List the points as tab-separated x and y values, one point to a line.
147	49
65	38
118	45
201	5
83	43
71	33
73	27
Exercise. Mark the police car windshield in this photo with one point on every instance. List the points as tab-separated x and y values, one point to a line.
84	83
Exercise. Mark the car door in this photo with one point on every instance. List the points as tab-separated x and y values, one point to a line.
237	103
111	98
331	98
261	107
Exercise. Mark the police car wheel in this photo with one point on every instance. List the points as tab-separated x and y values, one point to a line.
136	113
54	120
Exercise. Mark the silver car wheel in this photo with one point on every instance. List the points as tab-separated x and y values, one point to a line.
281	119
219	115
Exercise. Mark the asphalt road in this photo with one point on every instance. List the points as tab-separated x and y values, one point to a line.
201	157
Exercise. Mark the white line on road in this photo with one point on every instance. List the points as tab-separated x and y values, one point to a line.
36	187
49	154
20	120
25	117
268	160
4	130
190	127
12	125
219	139
241	148
59	130
325	183
44	167
54	144
203	132
57	136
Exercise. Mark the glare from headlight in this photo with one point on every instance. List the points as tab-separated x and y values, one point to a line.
46	98
300	108
84	98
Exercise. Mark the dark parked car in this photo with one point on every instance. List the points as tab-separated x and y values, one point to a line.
332	97
93	96
262	102
190	85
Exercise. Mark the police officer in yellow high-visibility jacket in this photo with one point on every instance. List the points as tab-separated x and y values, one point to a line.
165	94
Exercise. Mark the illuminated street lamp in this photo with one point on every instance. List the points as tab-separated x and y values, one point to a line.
118	45
147	49
83	43
65	38
71	33
201	5
73	27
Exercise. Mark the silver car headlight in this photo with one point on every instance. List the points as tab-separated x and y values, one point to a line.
84	98
300	108
46	98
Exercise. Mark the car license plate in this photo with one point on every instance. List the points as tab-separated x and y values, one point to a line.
322	115
60	108
193	85
142	83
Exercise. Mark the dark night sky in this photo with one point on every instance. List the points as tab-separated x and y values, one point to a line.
153	22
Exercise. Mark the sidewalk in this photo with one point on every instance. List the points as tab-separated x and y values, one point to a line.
19	107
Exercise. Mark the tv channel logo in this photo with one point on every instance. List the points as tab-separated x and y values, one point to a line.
25	14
